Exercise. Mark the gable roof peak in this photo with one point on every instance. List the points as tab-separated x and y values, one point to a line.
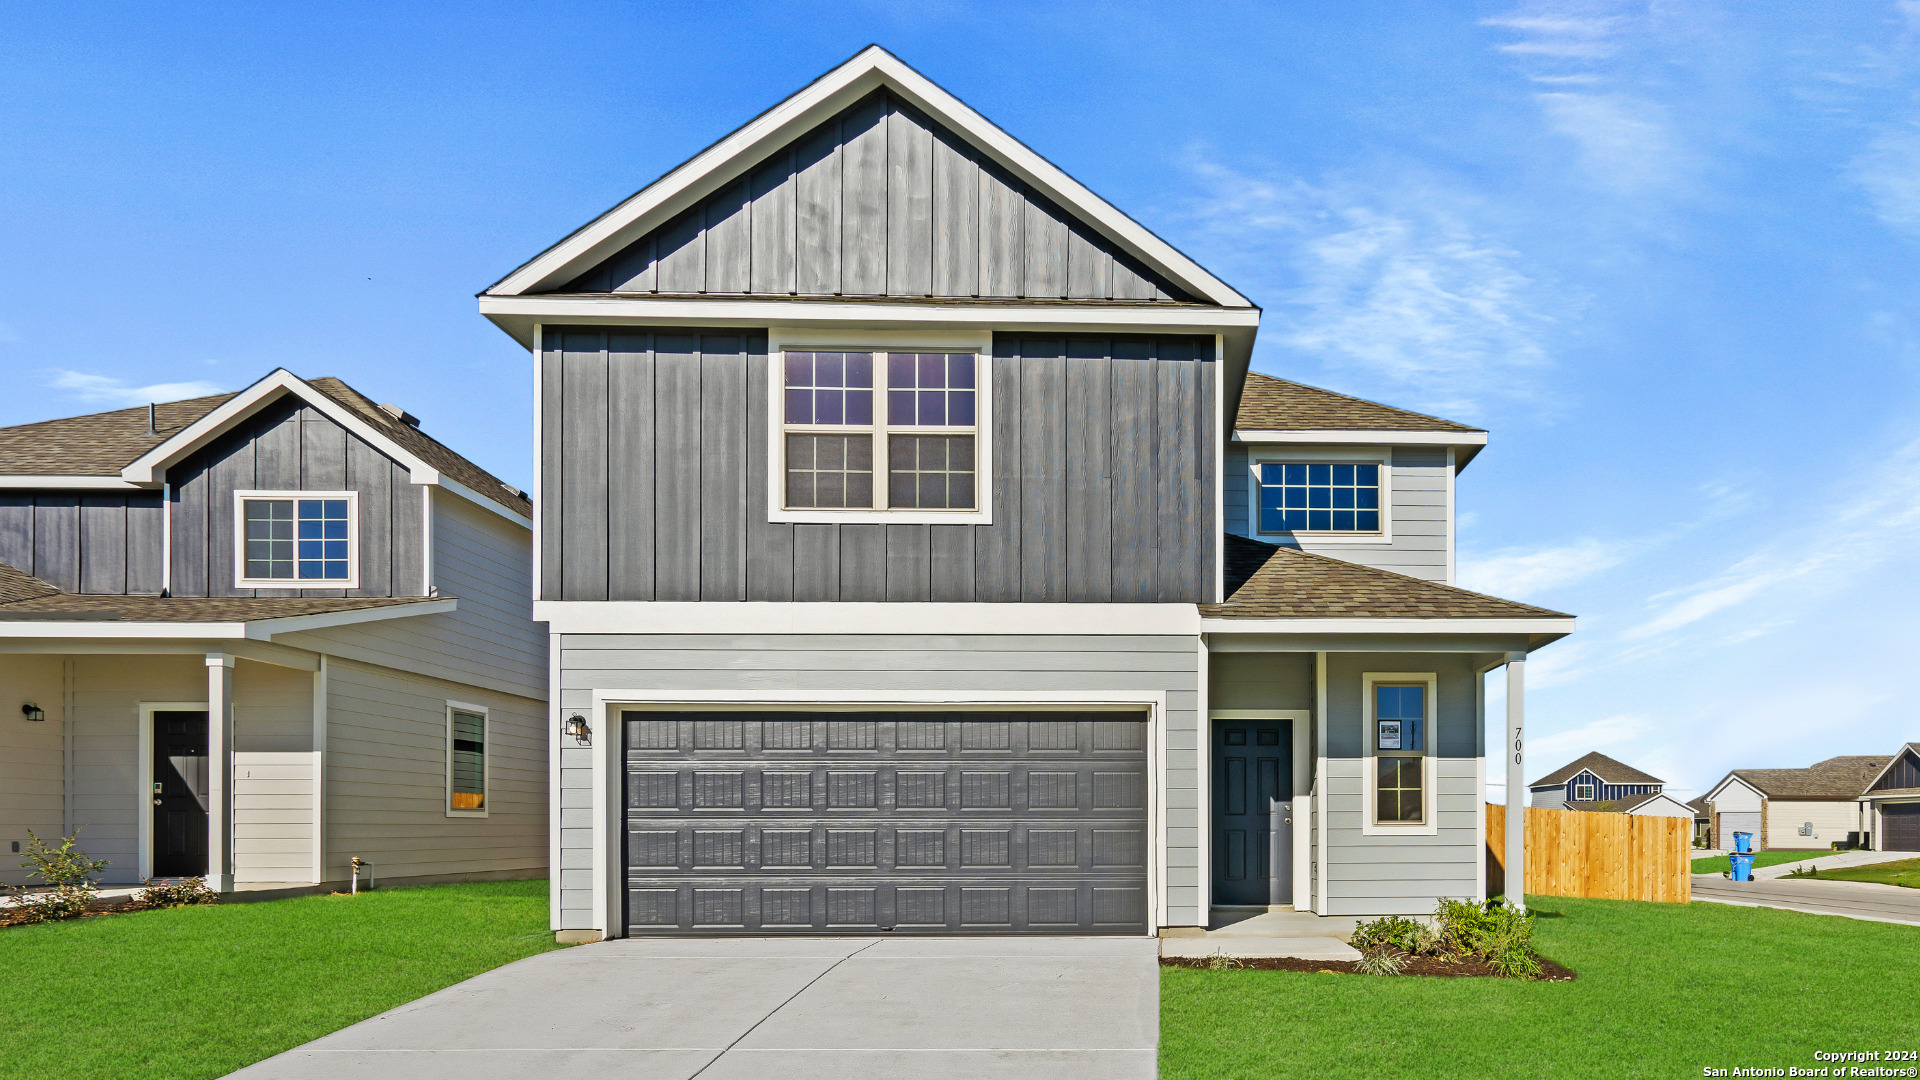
1607	769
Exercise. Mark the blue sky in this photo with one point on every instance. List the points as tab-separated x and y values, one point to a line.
1666	253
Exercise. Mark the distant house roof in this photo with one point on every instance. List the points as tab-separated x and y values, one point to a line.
1699	807
1265	581
1835	778
1270	404
1608	770
1910	750
97	444
28	599
103	444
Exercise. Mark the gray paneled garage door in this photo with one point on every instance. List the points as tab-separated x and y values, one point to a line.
939	823
1901	823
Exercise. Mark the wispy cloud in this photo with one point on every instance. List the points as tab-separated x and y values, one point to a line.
1520	573
1551	750
106	390
1889	170
1391	281
1558	35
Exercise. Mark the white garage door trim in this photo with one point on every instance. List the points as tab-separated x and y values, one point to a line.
609	825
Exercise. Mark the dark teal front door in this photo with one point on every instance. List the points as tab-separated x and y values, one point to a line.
1252	793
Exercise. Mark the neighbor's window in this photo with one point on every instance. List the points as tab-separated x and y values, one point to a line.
297	537
466	760
923	441
1309	497
1399	719
1583	792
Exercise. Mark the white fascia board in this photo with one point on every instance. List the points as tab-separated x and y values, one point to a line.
753	617
746	147
265	629
113	483
1559	627
1369	438
63	629
1732	779
1891	762
485	503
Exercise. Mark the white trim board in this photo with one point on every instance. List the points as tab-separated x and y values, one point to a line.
241	581
869	69
254	630
1545	625
1253	436
608	906
1429	769
776	617
144	771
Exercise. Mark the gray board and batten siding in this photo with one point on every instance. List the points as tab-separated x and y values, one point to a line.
877	201
84	541
764	669
1417	503
655	471
290	446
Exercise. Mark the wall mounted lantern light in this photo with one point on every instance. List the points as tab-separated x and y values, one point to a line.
33	712
576	726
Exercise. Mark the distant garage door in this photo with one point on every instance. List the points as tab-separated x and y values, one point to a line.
933	823
1733	823
1900	823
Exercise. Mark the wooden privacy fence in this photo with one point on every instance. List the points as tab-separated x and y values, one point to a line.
1588	853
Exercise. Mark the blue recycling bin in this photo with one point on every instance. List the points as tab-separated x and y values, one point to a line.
1742	865
1743	842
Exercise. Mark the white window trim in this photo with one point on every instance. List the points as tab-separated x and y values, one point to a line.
781	340
1593	792
1429	773
1342	455
240	578
486	761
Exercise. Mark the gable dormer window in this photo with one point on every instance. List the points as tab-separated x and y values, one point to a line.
296	539
879	435
1318	497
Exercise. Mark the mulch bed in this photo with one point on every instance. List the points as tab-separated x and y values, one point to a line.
1461	967
8	917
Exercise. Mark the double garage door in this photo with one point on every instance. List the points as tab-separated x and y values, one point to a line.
939	823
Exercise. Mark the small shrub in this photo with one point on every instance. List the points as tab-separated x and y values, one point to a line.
1498	933
1381	961
176	894
67	869
1391	930
1220	961
60	902
1809	870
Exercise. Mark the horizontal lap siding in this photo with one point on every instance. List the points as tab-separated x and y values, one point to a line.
290	446
273	816
878	201
31	762
1402	874
868	664
1418	509
386	779
88	542
655	474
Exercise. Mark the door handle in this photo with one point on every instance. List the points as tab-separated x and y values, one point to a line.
156	802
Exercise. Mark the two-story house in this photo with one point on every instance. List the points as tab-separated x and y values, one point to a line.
1597	782
919	555
257	635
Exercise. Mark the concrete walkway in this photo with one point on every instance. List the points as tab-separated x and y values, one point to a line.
1852	899
795	1008
1244	934
1832	861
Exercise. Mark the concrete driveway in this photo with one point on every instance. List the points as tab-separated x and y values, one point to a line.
796	1008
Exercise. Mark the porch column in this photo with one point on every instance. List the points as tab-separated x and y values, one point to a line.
1516	845
220	771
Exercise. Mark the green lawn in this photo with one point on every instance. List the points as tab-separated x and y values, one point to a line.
1905	873
1664	990
199	992
1718	864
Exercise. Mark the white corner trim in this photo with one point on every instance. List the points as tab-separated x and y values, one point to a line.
871	68
240	578
1429	770
1369	438
754	617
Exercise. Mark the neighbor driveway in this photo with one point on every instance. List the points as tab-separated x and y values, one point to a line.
795	1008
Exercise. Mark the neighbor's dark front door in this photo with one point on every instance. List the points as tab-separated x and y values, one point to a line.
179	794
1253	771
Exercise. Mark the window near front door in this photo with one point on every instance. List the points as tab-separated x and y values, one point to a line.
1311	497
296	539
1399	716
916	453
466	760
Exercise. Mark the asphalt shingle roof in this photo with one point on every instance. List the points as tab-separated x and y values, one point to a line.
1270	404
28	599
1835	778
1600	765
1265	581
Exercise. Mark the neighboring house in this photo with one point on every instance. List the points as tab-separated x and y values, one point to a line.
1597	782
1789	809
919	555
1702	820
1892	802
256	635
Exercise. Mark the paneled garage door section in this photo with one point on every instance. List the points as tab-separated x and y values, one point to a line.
931	823
1901	822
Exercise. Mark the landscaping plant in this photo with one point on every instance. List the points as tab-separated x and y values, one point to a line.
68	873
176	894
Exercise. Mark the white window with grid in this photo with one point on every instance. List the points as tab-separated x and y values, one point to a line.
896	435
296	539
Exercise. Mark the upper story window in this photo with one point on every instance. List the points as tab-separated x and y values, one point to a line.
296	538
1583	792
888	434
1318	497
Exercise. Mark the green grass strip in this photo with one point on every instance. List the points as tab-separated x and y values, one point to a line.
1719	864
1904	873
199	992
1665	990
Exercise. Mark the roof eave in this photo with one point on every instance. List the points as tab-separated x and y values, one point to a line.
264	629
